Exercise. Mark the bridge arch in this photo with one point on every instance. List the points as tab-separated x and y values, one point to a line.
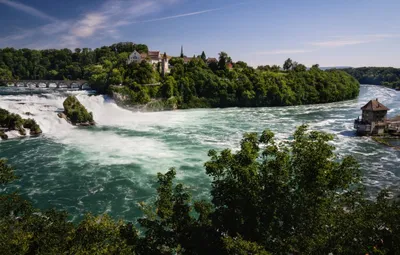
78	84
85	86
75	85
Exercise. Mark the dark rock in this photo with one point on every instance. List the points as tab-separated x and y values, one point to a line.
3	135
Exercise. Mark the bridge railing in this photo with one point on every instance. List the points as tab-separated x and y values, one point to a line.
81	84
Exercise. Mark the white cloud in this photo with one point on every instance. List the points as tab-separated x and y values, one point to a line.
341	41
27	9
283	52
104	22
88	25
333	42
178	16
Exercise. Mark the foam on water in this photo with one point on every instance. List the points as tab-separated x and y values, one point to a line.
111	167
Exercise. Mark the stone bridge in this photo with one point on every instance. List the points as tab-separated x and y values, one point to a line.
79	84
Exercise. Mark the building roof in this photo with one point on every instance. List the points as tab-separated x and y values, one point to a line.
187	60
154	55
374	105
210	60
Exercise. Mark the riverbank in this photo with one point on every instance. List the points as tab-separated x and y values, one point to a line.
389	141
382	76
243	87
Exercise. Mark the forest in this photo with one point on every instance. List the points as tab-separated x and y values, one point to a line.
386	76
197	83
269	197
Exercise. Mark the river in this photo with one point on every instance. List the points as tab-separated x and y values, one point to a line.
113	166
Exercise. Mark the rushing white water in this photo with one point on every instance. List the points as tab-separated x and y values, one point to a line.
112	166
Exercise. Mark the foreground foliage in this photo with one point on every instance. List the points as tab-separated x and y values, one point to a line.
386	76
11	121
267	198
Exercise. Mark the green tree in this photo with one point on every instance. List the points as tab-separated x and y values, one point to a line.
288	64
203	57
299	181
300	68
168	87
6	173
224	59
5	74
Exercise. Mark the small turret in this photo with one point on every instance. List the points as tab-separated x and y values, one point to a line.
164	64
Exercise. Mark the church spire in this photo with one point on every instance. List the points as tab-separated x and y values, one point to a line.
182	56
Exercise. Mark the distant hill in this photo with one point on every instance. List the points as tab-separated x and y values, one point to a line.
386	76
334	67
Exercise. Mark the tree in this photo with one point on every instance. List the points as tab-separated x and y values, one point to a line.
203	57
241	64
224	59
298	181
316	66
5	74
6	173
300	68
168	87
268	197
288	64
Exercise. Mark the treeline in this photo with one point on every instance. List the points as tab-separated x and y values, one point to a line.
386	76
199	83
267	198
222	83
101	66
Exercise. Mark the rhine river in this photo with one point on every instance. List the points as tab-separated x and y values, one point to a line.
112	167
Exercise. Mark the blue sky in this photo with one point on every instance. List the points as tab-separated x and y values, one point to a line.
331	33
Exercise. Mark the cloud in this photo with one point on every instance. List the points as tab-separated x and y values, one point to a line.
283	52
103	22
333	42
27	9
110	16
178	16
186	14
341	41
88	25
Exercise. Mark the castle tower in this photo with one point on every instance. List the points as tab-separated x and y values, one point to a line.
164	65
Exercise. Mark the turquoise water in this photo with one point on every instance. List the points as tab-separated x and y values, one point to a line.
113	166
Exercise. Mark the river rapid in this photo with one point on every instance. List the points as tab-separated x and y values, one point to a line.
112	167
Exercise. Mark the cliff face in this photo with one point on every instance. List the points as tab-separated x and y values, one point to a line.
75	113
154	105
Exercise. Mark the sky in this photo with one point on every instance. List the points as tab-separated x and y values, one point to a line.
260	32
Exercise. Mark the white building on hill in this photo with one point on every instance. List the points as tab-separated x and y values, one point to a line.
152	57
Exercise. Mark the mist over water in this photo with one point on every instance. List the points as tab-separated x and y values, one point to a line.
113	166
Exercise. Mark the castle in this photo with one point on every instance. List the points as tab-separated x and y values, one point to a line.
152	57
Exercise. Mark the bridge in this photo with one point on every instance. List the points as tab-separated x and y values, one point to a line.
79	84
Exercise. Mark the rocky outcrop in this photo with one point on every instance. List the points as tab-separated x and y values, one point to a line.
75	113
10	121
155	105
3	136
